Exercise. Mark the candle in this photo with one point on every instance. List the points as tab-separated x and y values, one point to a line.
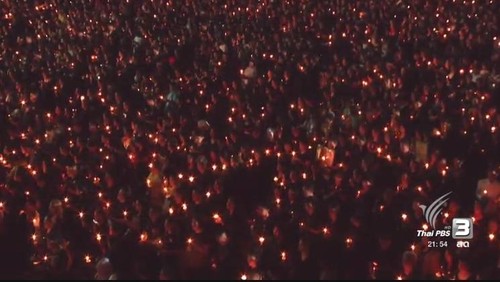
80	214
144	237
404	217
325	231
87	259
283	256
98	237
348	242
412	247
425	227
184	206
191	178
261	240
244	277
491	236
399	277
217	218
208	194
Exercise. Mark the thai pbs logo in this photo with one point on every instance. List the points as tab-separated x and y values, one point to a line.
461	228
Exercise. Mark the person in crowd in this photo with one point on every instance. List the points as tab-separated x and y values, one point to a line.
247	139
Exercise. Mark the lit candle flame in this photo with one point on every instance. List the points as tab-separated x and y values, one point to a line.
348	241
425	226
261	240
491	236
243	277
283	256
88	259
404	216
216	217
98	237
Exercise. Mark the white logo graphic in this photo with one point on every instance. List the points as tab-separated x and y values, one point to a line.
431	212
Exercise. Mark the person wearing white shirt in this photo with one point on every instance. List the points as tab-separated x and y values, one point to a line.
489	187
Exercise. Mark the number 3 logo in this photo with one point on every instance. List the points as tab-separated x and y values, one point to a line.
462	228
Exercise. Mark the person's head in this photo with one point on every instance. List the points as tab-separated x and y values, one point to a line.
409	262
121	196
222	239
492	176
104	269
252	261
464	269
154	214
333	212
385	241
309	207
230	205
196	225
56	208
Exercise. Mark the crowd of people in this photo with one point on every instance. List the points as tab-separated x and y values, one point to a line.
253	139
